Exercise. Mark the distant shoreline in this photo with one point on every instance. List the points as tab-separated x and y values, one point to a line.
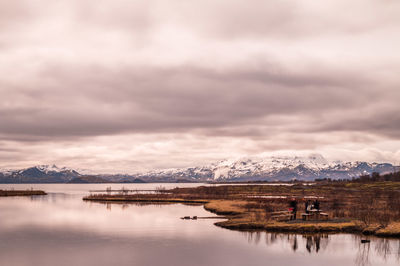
12	193
171	182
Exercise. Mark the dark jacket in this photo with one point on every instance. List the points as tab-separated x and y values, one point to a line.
293	204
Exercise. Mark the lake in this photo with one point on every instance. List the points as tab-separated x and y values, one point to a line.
61	229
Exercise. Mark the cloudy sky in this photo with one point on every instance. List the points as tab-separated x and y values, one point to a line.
125	85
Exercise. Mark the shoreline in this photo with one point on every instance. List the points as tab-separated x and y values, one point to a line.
15	193
237	218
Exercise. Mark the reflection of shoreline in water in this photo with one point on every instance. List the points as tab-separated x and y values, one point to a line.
51	197
124	205
363	254
384	248
312	242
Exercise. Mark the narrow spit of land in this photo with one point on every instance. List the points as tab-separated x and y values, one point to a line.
10	193
352	207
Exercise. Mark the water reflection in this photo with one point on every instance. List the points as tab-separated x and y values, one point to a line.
314	242
383	251
61	229
363	254
368	250
51	197
124	205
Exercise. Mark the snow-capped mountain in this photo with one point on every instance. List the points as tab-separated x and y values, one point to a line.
257	166
39	174
273	168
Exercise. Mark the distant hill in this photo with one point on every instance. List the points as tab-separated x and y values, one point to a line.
136	180
274	168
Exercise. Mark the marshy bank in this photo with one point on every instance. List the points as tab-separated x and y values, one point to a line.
352	207
10	193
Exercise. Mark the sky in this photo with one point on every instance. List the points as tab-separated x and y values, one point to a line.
126	85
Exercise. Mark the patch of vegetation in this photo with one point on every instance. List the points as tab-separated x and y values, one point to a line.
9	193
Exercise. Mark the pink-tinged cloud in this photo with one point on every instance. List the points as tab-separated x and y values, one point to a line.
128	85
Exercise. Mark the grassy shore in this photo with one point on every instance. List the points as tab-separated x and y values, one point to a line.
351	207
10	193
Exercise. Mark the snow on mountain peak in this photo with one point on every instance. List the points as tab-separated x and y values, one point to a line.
48	168
52	168
262	164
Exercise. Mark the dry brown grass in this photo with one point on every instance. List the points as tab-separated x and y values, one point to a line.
392	229
226	207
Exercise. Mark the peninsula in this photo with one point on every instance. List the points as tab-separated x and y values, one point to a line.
368	206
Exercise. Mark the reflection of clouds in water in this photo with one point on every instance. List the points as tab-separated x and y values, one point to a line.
63	211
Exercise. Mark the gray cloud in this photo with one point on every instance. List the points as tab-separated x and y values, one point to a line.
94	101
262	77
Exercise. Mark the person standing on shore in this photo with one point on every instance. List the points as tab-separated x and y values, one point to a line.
316	204
293	207
308	206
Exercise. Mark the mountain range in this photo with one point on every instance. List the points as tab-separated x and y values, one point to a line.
273	168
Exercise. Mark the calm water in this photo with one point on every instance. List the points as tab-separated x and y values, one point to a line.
61	229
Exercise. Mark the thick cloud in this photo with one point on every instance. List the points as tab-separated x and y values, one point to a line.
226	76
97	101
